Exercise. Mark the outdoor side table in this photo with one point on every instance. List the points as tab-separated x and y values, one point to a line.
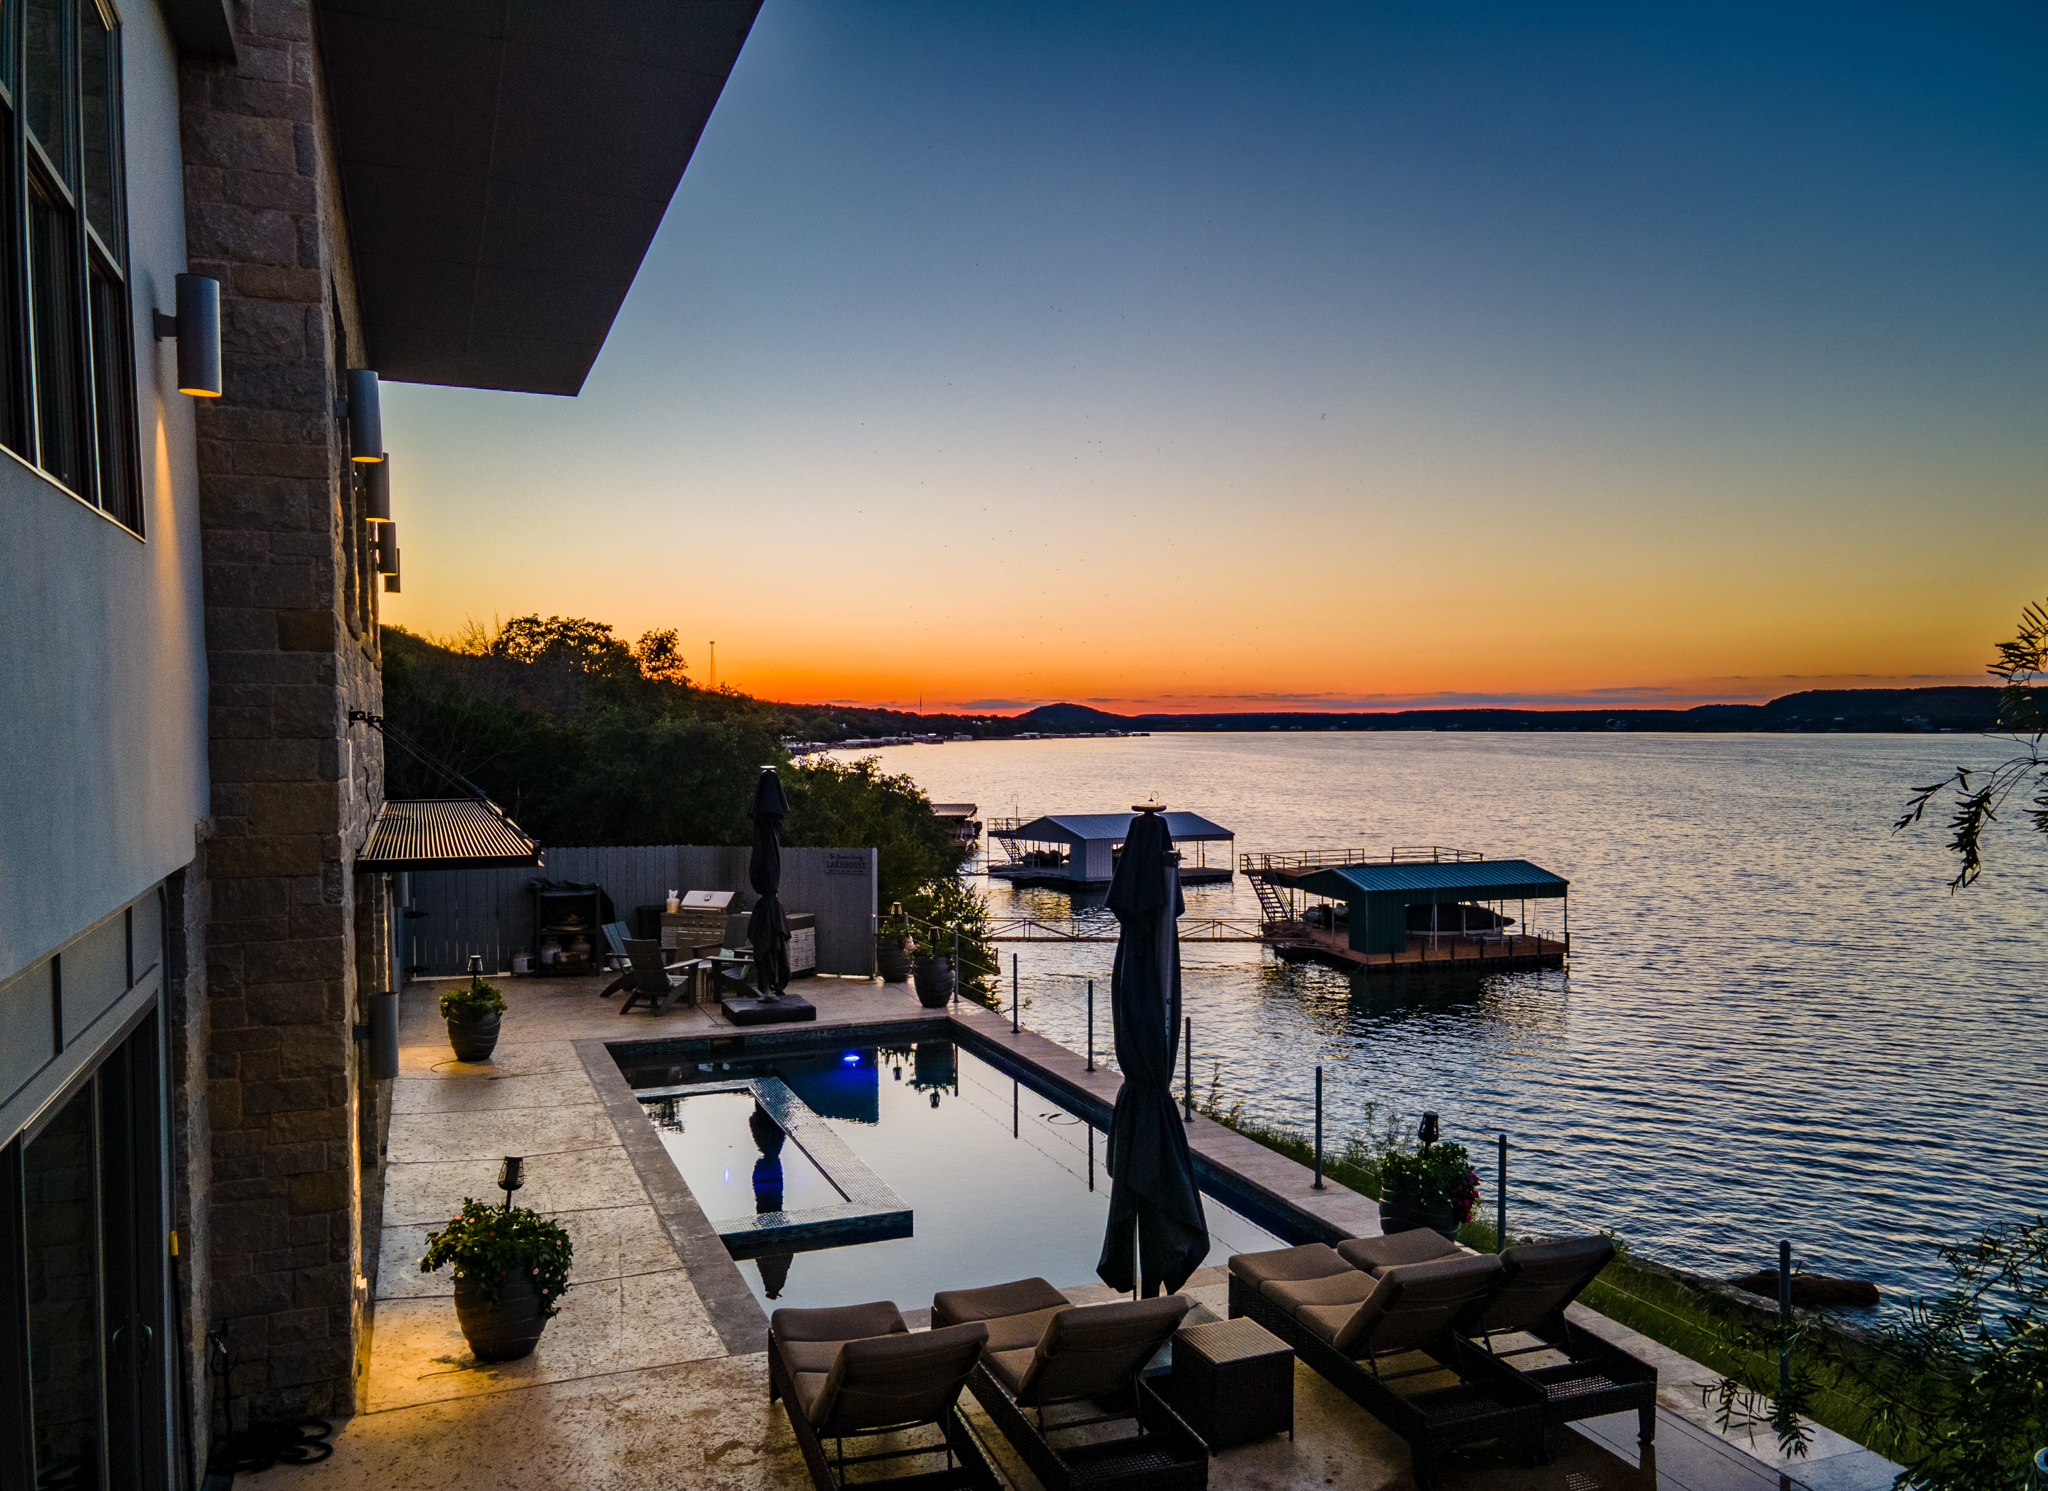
1233	1381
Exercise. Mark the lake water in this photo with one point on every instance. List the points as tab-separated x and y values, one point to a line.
1776	1022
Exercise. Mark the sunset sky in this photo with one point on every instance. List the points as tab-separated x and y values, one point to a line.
1198	357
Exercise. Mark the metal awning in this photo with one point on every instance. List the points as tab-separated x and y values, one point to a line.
444	833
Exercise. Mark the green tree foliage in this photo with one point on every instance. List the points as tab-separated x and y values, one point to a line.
1958	1391
856	802
1978	795
586	739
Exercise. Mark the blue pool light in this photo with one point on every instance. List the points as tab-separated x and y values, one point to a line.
851	1058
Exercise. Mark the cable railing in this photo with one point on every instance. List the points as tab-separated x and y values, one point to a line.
1316	859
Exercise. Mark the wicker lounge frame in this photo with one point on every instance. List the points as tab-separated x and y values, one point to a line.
1538	1282
1490	1400
967	1467
1044	1353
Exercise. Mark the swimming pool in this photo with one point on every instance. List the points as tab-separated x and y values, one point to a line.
1001	1182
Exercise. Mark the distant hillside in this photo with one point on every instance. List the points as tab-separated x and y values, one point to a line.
1848	710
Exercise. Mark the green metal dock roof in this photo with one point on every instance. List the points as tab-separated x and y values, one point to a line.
1469	880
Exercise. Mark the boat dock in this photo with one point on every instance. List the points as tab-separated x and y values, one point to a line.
1077	851
1409	908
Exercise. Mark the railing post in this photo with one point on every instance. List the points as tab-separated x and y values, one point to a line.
1785	1319
1091	1025
1319	1186
1500	1200
1187	1052
1013	993
956	967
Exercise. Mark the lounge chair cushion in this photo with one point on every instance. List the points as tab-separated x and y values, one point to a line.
1288	1265
1090	1351
1409	1306
809	1340
1016	1314
1420	1245
1352	1287
898	1379
1536	1282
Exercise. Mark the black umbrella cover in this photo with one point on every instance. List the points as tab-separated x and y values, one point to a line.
768	927
1154	1209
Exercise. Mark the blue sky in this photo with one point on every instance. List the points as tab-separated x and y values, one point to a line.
1137	352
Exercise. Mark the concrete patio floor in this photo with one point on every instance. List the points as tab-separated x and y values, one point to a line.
653	1375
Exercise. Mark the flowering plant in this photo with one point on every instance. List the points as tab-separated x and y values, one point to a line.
1439	1173
485	1243
475	1000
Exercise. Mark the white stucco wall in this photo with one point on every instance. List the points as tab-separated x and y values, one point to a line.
102	648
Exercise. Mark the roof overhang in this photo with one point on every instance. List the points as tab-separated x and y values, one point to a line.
1421	884
504	168
1093	828
444	833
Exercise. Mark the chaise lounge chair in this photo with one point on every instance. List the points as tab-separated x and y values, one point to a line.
1044	1354
857	1372
1352	1327
1537	1282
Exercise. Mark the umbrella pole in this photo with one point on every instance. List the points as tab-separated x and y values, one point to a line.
1188	1071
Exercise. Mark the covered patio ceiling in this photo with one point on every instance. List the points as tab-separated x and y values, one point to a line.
505	164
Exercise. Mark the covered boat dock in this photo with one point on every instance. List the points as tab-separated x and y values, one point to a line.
1410	907
1077	851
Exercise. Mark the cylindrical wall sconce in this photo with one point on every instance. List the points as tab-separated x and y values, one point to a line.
377	490
196	328
365	422
391	575
387	548
383	1052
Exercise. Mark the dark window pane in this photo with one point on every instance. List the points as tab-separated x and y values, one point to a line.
113	407
96	123
53	288
13	428
63	1328
132	1231
46	80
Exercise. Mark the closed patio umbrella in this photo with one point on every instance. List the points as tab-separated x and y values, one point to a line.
768	927
1154	1208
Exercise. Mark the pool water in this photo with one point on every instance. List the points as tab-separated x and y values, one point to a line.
1002	1182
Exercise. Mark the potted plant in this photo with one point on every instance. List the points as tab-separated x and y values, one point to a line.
893	942
511	1266
472	1011
1435	1187
934	975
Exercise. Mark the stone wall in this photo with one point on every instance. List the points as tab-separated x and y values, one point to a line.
291	648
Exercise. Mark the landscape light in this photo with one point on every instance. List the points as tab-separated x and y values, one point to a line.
509	1178
365	422
1429	1130
196	329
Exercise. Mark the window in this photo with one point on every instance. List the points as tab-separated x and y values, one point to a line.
83	1318
67	394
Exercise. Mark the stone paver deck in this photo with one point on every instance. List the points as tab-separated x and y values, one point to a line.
652	1376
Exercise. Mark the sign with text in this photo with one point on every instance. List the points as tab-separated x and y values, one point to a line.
846	862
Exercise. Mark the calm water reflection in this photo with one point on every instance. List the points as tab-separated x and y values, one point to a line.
1776	1023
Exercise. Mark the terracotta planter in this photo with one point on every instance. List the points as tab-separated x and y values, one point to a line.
1406	1212
474	1040
934	981
892	959
506	1330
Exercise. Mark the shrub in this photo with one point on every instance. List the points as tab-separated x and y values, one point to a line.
485	1243
475	1000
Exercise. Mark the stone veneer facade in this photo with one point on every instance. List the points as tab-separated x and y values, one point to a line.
293	937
